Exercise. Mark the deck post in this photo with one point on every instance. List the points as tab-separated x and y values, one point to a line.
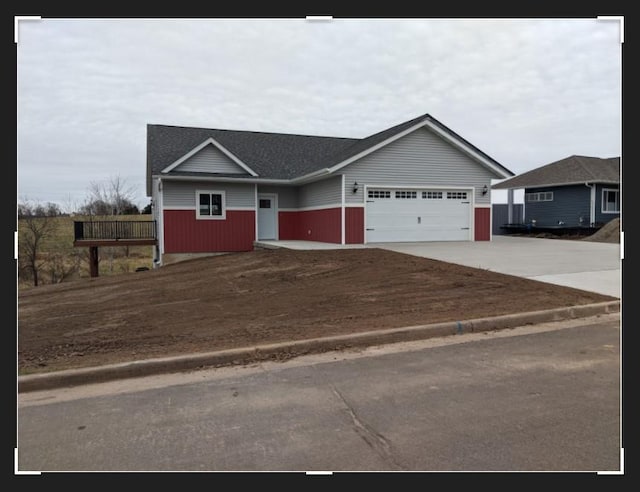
510	206
93	261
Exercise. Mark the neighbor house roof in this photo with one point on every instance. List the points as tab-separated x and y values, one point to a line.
280	156
576	169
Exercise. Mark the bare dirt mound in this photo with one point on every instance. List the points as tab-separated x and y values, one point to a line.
608	233
259	297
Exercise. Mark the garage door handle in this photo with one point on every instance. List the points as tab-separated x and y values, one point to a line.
466	202
419	220
370	229
464	228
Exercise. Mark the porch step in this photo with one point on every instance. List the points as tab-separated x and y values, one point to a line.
265	245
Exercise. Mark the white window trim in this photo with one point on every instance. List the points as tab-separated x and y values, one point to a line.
602	202
223	200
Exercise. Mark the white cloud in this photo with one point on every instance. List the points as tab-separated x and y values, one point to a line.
526	92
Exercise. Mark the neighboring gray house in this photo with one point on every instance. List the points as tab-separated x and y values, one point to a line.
217	190
572	192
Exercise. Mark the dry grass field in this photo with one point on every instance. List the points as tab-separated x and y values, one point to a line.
60	261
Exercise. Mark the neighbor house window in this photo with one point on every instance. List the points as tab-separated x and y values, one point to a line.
211	205
610	201
544	196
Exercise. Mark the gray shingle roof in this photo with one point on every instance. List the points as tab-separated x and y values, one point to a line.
271	155
570	170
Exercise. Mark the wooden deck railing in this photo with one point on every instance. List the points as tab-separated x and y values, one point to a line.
119	230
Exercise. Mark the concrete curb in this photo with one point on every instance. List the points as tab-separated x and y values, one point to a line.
75	377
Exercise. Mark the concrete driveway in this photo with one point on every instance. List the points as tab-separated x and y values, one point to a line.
585	265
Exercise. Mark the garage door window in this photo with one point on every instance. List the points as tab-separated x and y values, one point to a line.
379	194
456	195
546	196
406	194
432	195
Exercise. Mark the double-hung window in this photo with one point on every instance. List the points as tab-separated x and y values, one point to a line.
211	205
610	201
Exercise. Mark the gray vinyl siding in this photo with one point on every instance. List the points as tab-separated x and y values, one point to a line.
287	195
319	193
210	160
500	216
568	205
420	158
600	217
182	194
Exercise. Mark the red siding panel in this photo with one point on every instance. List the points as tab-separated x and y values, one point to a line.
311	225
288	225
321	225
482	224
354	220
184	234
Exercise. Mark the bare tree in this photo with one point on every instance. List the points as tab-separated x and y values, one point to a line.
70	205
30	208
62	265
122	195
112	197
33	230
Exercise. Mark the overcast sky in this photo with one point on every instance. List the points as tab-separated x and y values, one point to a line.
526	92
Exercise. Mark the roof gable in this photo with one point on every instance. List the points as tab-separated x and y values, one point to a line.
377	141
575	169
222	166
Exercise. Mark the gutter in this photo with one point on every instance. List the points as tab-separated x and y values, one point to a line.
169	177
498	186
592	203
310	176
295	181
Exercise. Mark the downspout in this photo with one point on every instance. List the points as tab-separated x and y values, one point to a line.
592	203
342	212
160	223
256	208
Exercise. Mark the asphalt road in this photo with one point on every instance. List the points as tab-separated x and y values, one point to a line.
539	398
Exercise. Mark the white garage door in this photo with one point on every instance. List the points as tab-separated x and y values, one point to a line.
403	215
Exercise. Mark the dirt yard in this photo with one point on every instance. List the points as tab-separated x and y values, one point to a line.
608	233
245	299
